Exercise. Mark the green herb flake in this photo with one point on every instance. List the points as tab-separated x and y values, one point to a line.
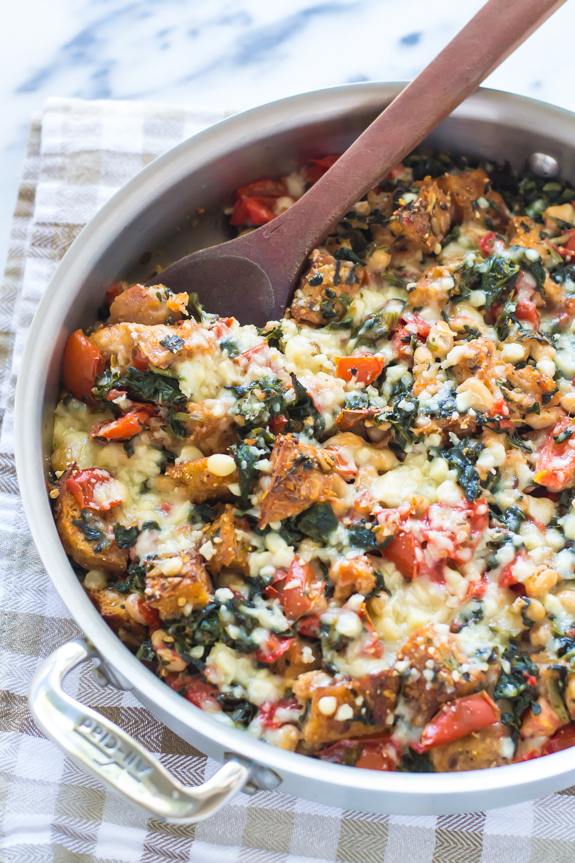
172	343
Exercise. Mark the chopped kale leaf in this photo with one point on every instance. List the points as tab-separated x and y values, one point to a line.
356	401
202	513
195	308
318	521
498	274
136	579
517	685
403	414
240	711
344	254
246	457
362	535
415	762
93	529
564	435
230	346
511	518
462	458
274	335
175	420
144	386
303	412
538	193
515	441
208	625
126	536
146	653
258	401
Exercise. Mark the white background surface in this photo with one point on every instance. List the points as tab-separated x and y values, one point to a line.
236	54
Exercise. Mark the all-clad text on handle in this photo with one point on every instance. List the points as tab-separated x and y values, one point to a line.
116	759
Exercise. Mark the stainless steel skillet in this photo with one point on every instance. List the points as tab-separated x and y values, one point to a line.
143	216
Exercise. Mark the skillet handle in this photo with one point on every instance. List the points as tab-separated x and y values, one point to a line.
113	757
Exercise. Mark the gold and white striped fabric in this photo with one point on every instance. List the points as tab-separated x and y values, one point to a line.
79	154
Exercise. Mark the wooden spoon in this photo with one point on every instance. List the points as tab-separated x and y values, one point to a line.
252	277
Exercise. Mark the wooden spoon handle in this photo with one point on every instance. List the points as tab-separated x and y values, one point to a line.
494	33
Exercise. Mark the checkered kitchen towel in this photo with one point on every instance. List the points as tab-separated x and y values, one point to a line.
79	153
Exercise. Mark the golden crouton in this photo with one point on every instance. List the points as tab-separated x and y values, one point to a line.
119	341
473	752
346	707
112	606
296	480
231	550
443	680
200	483
76	525
476	360
300	657
326	289
425	221
470	192
432	289
208	430
523	231
178	583
146	305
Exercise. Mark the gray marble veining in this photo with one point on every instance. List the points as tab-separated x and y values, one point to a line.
235	54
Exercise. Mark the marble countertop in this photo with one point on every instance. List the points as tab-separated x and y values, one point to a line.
236	55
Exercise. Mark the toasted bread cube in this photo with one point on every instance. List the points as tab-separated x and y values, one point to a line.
443	681
296	481
100	553
523	231
231	549
425	221
177	585
112	606
301	657
473	199
485	748
210	431
347	707
200	483
356	575
432	289
145	305
318	299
